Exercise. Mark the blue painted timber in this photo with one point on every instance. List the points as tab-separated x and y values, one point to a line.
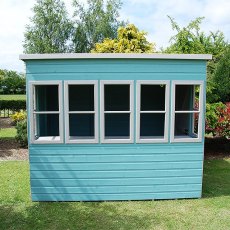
94	172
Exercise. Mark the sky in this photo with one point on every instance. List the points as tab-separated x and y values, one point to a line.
147	15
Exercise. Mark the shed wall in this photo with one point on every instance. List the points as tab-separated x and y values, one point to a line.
74	172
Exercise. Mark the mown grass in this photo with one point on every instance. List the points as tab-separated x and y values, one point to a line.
8	133
13	97
210	212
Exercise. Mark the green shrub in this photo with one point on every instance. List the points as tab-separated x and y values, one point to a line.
212	116
21	136
15	105
218	119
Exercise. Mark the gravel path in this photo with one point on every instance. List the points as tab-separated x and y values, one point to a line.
10	150
5	123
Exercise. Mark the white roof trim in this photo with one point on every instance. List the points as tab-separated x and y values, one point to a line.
113	56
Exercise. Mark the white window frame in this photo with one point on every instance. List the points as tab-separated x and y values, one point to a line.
200	112
48	139
138	111
103	112
95	112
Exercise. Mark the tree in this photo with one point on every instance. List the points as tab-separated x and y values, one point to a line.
129	40
12	82
50	28
222	76
191	39
96	20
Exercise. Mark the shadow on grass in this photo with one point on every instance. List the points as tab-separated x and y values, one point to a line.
216	178
78	215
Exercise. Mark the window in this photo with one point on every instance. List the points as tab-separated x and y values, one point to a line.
116	111
81	111
152	111
45	112
187	111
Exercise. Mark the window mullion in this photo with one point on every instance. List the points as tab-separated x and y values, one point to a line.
195	111
117	112
81	112
152	111
46	112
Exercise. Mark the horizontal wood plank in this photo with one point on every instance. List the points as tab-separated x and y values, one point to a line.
99	197
113	174
108	149
116	166
114	181
117	158
114	66
118	189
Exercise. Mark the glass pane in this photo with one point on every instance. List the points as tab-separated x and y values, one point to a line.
153	97
46	97
81	97
185	100
186	124
117	97
46	125
195	123
81	126
152	125
117	126
197	97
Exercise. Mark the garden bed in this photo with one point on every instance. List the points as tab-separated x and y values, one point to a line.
10	150
9	147
216	147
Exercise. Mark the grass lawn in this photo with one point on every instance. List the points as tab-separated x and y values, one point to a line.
13	97
210	212
8	133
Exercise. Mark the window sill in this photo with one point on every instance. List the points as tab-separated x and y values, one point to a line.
152	139
47	140
117	139
186	138
73	138
81	139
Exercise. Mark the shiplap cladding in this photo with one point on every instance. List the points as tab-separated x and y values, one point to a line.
86	172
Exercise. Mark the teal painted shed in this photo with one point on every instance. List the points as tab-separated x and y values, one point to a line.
115	126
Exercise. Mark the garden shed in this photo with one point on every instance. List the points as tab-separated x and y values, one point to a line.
115	126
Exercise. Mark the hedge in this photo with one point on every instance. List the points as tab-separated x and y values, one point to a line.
12	105
21	135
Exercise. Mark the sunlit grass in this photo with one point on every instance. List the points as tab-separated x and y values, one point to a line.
13	97
7	133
